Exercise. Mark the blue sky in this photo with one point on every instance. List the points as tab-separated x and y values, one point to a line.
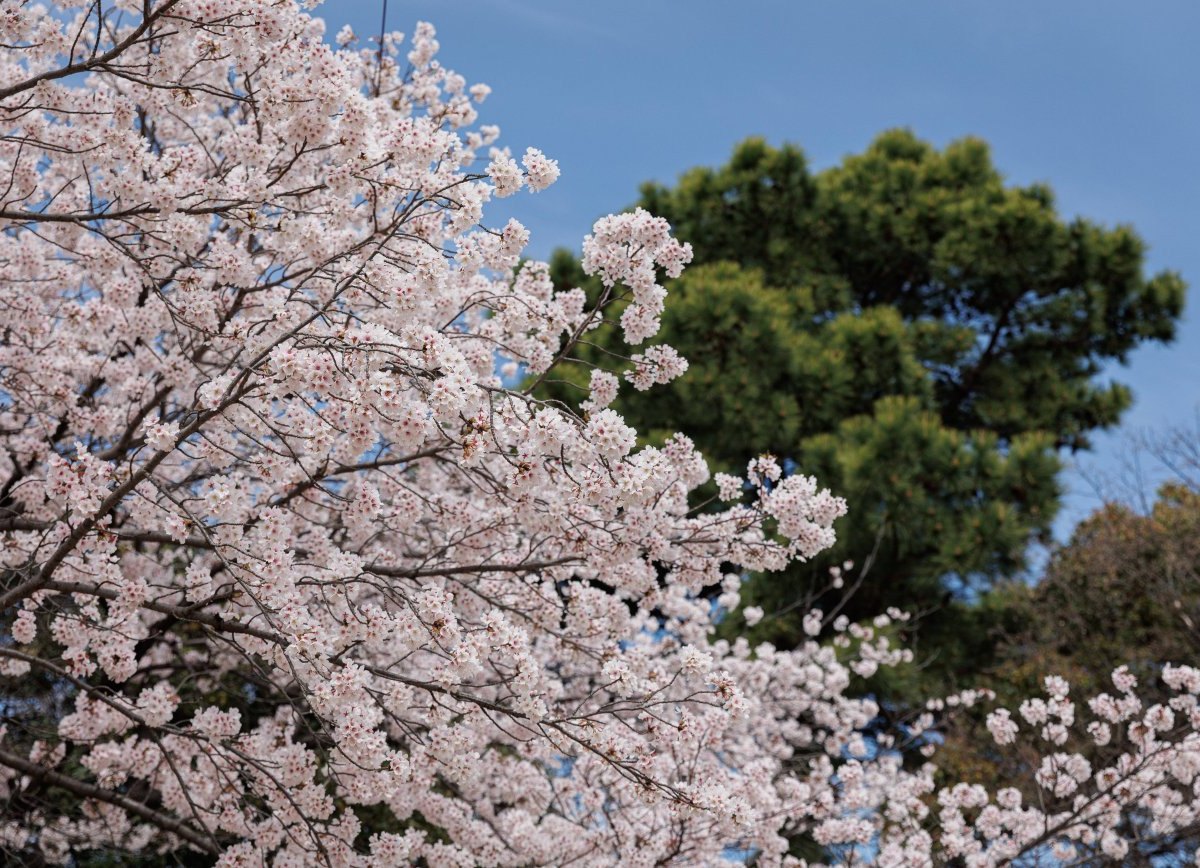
1099	99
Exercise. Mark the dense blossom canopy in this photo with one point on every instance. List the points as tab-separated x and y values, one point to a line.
293	575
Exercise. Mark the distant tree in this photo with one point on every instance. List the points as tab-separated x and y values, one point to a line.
1124	591
918	334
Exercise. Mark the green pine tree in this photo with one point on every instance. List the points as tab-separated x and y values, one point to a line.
922	337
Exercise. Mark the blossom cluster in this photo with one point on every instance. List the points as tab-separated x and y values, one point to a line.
1142	789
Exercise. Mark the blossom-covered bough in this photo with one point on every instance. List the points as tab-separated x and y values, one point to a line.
292	573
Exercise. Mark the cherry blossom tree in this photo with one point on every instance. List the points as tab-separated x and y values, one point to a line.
292	573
